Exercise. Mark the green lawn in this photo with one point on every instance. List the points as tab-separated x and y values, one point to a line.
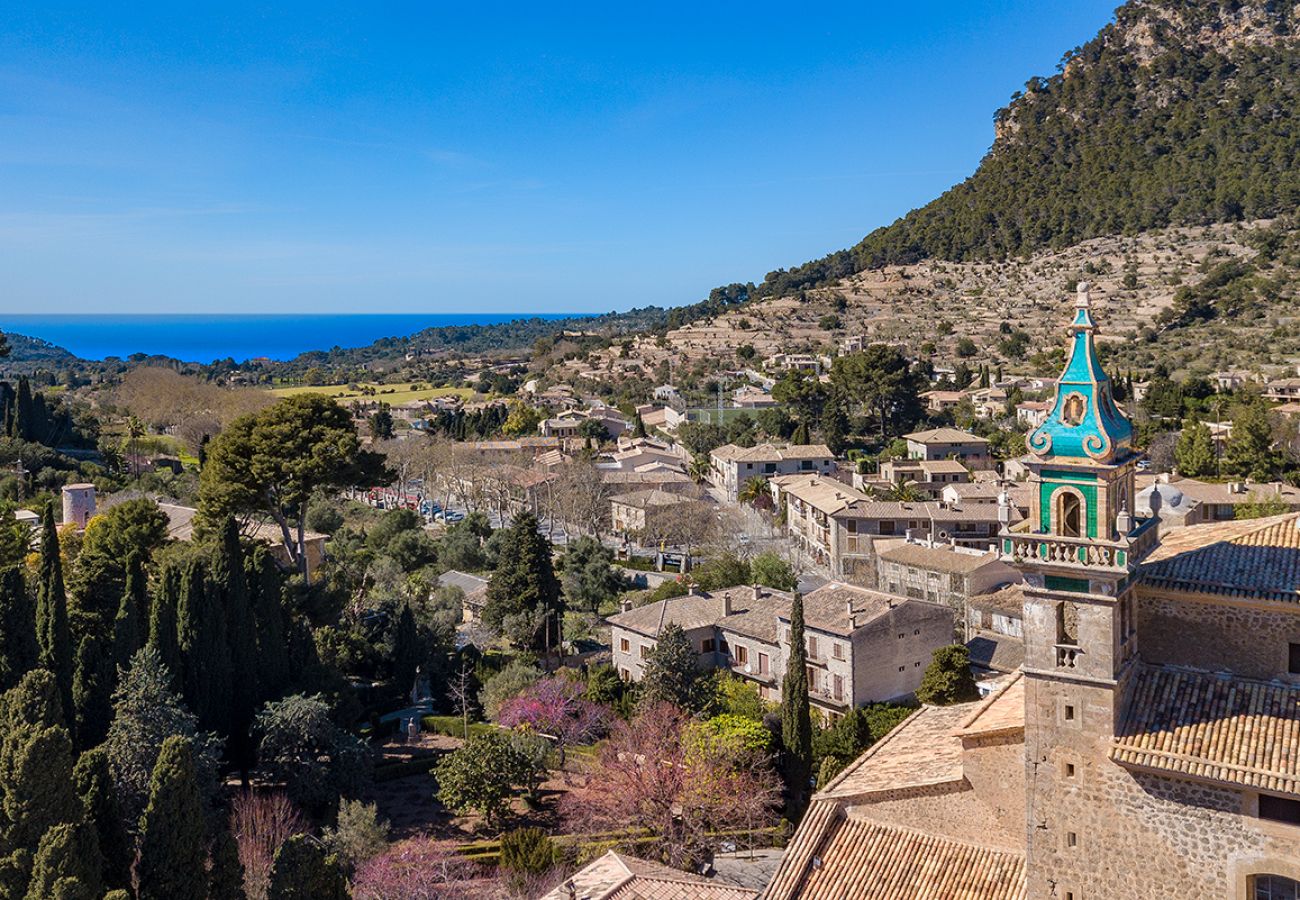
389	393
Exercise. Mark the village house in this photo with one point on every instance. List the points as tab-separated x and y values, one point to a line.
752	398
731	467
949	443
1282	389
861	646
942	401
628	512
940	573
995	634
860	524
810	503
1032	413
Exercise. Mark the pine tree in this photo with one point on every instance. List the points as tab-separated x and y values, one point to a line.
1250	452
92	692
796	715
172	853
94	784
672	670
225	872
800	436
303	871
231	584
948	678
52	634
1194	453
130	625
19	652
205	653
523	595
66	865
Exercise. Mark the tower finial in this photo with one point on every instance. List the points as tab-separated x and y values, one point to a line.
1083	298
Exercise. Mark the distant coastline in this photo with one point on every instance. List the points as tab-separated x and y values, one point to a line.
205	338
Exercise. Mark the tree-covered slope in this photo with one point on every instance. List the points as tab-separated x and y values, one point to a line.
1181	112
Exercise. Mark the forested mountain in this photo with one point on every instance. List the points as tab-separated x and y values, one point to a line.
1180	112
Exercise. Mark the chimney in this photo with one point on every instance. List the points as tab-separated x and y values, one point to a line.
758	592
627	606
691	590
726	603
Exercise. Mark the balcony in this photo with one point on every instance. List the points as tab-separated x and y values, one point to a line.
1116	557
1067	655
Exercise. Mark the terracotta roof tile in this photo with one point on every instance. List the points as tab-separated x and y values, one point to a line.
941	558
616	876
865	860
1212	727
1256	558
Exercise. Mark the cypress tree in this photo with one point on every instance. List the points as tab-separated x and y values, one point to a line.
19	653
23	410
92	692
52	633
225	872
66	865
129	625
172	854
302	871
796	717
36	790
230	581
205	656
162	621
406	649
272	627
94	784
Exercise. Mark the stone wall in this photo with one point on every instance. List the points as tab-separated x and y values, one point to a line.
1247	639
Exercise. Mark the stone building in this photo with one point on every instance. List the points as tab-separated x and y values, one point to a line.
732	467
940	573
860	646
1150	744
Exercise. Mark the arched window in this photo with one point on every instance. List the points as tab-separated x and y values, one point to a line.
1274	887
1071	515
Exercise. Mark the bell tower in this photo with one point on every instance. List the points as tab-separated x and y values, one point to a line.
1078	551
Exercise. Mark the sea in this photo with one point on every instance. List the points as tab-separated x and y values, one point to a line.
205	338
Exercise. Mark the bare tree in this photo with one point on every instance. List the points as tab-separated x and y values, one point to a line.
581	497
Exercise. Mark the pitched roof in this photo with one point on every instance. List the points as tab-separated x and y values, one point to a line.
617	876
936	559
1223	492
820	492
842	850
772	453
945	436
996	652
690	611
652	497
827	608
1255	559
1214	727
1009	600
868	860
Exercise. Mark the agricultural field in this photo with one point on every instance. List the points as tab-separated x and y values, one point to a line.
392	394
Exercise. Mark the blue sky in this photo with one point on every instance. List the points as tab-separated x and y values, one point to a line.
480	157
